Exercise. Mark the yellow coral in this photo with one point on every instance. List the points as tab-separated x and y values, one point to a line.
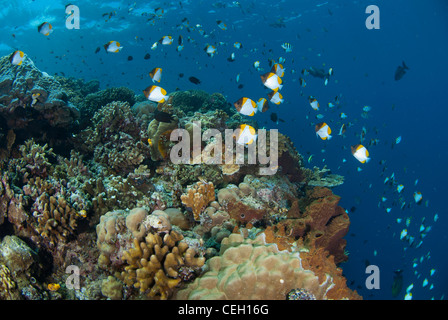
58	220
198	197
154	264
252	270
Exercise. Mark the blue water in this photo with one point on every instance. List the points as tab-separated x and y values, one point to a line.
323	34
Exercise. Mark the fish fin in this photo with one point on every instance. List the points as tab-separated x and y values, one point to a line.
405	66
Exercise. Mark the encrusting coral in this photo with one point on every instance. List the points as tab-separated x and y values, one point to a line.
159	263
198	197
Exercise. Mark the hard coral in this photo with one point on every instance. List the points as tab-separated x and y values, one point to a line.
115	139
8	288
315	220
154	265
198	197
26	87
322	263
252	270
56	219
95	101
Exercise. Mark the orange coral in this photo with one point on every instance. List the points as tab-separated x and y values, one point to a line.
198	197
243	212
322	264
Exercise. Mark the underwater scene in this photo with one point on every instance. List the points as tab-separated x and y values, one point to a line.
223	150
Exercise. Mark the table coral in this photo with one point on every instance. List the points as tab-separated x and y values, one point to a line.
159	263
198	197
322	263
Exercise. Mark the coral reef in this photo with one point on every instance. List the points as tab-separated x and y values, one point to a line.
318	221
33	102
100	192
198	197
159	135
8	288
324	178
251	269
196	100
115	139
94	101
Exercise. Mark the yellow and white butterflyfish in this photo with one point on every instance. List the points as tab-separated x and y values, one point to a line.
276	97
155	45
221	25
238	45
246	135
360	153
17	58
418	197
210	50
272	81
323	131
278	70
166	40
262	105
155	93
246	106
113	46
45	28
313	103
156	74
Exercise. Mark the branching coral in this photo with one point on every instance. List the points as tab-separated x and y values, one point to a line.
95	101
8	288
34	161
115	139
198	197
315	220
322	263
158	264
324	178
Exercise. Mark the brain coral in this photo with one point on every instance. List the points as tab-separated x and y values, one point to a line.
252	270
